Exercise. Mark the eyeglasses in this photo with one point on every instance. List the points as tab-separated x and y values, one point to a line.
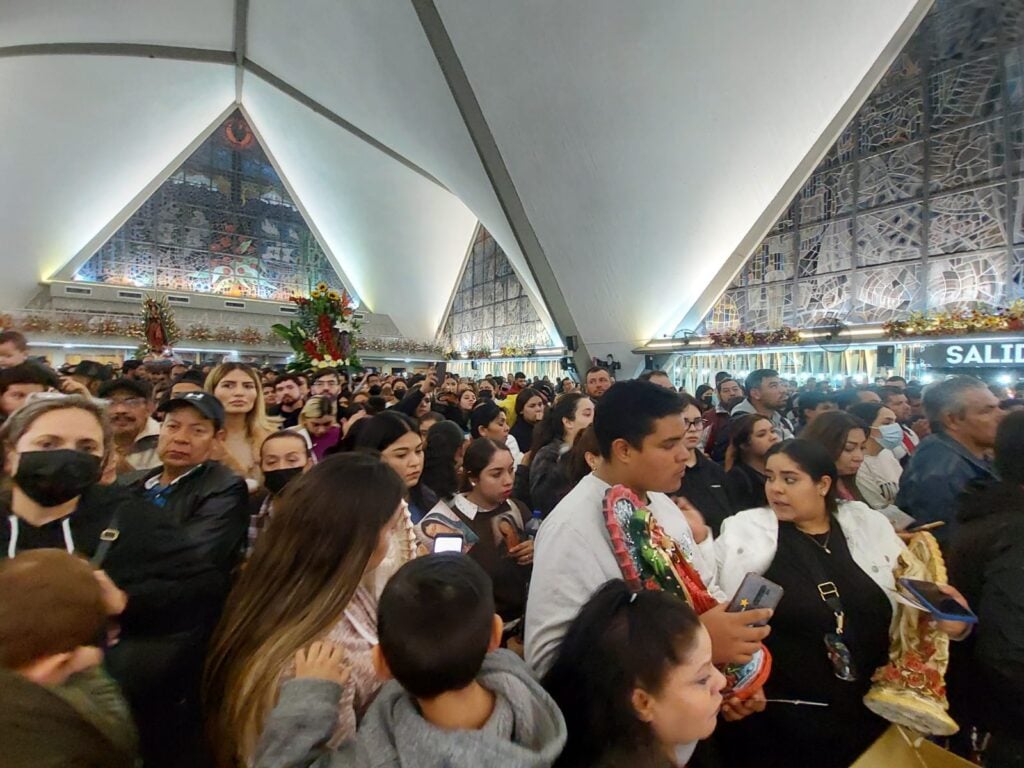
693	424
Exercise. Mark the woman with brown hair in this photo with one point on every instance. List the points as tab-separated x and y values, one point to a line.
306	581
845	438
751	436
240	390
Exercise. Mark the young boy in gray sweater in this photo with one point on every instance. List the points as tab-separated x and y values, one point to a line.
454	700
57	705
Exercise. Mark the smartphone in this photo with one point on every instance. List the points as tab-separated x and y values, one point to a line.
440	371
756	592
448	542
925	527
936	602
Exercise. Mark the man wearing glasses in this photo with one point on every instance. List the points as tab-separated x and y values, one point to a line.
136	432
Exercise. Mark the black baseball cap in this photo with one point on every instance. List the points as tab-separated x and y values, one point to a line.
140	388
208	405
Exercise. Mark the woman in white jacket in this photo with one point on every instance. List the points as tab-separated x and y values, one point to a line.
831	629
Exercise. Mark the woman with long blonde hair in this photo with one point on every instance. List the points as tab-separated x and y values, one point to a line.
306	581
240	390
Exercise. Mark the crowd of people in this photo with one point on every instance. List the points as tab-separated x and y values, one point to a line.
225	565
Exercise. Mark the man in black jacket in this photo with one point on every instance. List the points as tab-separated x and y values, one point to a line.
210	504
986	562
207	499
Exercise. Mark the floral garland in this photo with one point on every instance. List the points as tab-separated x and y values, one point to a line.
483	352
325	334
784	335
960	321
84	324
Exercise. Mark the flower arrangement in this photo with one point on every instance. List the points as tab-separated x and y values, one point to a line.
958	321
73	325
478	353
35	323
159	330
109	326
250	335
224	334
198	332
784	335
324	335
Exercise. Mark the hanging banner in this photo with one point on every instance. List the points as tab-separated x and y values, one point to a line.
997	354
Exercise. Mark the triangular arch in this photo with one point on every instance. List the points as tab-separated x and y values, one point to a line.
490	308
918	204
223	221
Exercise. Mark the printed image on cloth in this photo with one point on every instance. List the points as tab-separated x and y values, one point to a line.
503	527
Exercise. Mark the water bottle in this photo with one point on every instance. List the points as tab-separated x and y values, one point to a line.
533	525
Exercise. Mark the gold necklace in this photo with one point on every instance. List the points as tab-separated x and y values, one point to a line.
817	543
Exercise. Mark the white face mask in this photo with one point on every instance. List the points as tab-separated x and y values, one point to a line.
889	435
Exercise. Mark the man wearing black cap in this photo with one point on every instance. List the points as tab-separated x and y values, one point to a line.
205	497
136	433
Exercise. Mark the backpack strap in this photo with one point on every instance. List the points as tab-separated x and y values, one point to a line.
108	536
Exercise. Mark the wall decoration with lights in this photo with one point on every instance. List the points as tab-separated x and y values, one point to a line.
490	308
223	223
919	205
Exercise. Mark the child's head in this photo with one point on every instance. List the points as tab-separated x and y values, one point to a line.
634	674
435	623
13	349
52	615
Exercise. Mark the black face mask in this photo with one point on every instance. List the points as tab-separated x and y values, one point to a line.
51	478
485	394
276	479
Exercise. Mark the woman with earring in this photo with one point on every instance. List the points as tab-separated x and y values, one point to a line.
830	632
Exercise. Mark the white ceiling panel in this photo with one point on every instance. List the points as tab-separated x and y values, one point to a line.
645	139
88	134
369	62
399	238
189	23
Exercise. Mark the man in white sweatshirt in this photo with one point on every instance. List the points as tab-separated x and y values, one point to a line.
640	430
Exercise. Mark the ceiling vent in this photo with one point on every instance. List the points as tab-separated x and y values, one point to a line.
234	305
172	299
77	290
135	295
288	310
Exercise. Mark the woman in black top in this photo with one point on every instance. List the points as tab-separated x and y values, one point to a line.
164	598
805	540
704	484
529	412
751	436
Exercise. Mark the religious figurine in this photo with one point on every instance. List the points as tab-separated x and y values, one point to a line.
911	689
651	559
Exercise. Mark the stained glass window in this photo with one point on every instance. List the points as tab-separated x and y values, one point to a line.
490	308
223	223
920	202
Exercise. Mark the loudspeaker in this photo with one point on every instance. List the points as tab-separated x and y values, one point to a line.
648	362
570	343
886	356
